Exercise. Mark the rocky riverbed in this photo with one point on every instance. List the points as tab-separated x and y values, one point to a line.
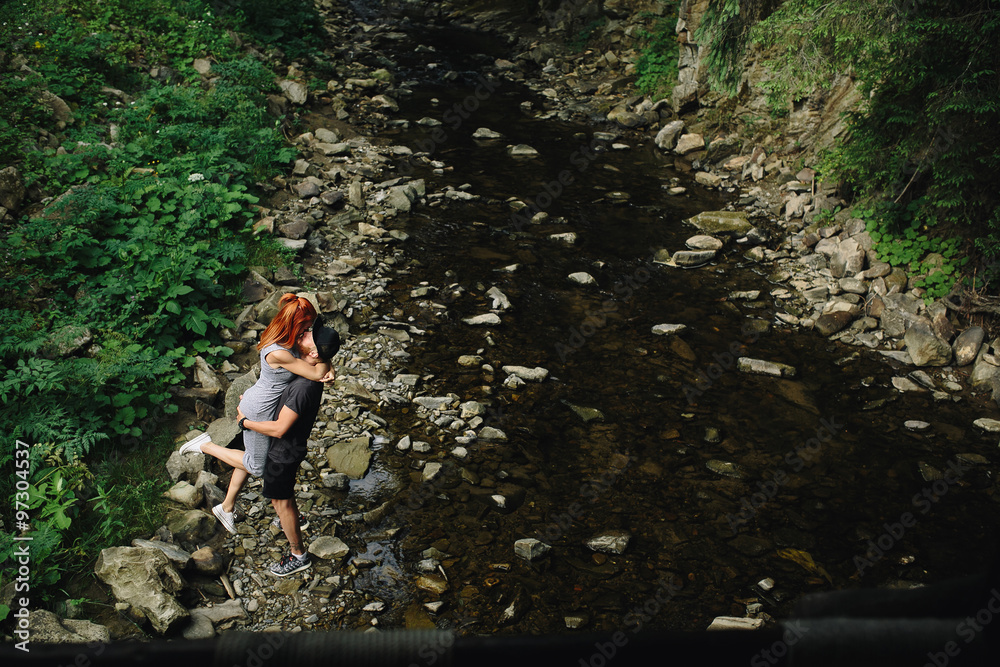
460	477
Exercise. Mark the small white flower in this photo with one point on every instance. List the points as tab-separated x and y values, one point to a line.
194	178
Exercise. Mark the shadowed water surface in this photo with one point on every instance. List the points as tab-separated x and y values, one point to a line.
819	463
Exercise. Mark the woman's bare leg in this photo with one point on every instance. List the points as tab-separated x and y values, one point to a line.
233	457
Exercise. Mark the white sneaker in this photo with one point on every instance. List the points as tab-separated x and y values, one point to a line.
194	444
225	518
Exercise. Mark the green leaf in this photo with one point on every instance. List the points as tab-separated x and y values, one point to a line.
172	307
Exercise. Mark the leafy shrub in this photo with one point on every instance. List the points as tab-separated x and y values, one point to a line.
144	244
657	66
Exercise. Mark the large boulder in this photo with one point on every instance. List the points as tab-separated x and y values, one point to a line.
191	526
350	457
666	138
925	348
47	628
145	579
967	345
11	188
721	222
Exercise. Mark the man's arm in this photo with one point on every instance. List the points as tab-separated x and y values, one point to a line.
277	428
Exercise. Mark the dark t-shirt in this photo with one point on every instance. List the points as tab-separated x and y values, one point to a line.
303	397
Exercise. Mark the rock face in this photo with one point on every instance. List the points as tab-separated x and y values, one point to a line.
145	579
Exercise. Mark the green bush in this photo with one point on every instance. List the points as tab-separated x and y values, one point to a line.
924	142
141	249
657	65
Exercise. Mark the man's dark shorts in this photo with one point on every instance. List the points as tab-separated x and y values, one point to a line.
302	397
279	479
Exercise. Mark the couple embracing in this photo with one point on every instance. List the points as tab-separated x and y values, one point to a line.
276	416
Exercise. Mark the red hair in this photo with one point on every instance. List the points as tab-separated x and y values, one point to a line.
295	315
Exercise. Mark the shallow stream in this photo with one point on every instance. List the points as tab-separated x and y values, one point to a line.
721	478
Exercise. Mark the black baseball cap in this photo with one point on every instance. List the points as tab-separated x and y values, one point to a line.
326	339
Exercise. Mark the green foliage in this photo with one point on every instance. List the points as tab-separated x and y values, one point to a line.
141	248
925	138
657	66
725	29
937	258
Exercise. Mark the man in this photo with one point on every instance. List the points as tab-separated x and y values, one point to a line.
289	431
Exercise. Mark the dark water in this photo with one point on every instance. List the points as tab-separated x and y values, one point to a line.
825	461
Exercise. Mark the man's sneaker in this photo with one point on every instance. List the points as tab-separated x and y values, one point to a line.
303	522
225	518
194	444
290	564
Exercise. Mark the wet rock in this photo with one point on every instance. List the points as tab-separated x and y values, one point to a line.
611	542
146	580
567	238
582	278
47	628
906	384
435	402
351	457
692	258
185	494
916	425
703	242
486	133
576	621
761	367
929	472
329	548
515	610
626	118
521	150
988	425
735	623
721	222
433	584
337	481
487	319
500	300
724	468
967	344
689	143
177	556
985	370
708	179
208	561
431	471
529	548
491	433
586	414
831	323
925	348
666	138
668	329
923	379
471	409
537	374
188	465
191	526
